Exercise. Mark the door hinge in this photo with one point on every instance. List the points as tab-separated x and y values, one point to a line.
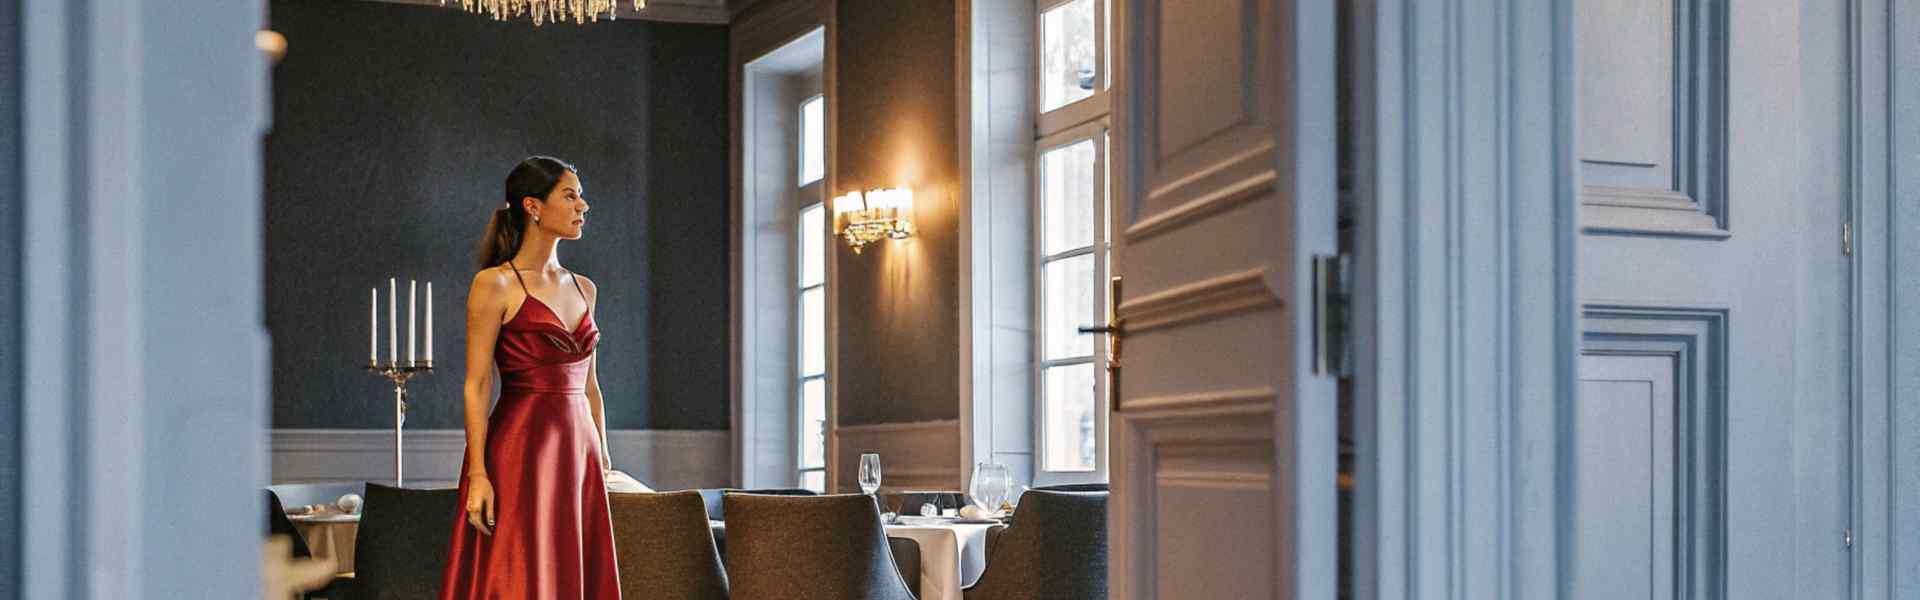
1332	297
1846	239
1848	537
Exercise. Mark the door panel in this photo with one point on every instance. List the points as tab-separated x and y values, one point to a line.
1222	436
1693	253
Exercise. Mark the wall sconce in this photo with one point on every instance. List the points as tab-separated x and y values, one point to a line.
866	218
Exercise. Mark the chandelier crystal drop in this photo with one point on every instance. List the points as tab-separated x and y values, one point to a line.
546	11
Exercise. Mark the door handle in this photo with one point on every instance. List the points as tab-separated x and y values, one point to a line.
1115	328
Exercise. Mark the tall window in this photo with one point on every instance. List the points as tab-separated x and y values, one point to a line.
1071	244
812	290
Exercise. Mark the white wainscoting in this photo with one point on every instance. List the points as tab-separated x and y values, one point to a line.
913	456
661	458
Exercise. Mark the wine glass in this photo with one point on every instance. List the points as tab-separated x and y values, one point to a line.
990	486
869	473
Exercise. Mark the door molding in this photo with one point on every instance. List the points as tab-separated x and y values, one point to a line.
1466	335
1885	39
1695	341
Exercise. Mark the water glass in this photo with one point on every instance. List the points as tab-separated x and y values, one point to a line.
991	484
869	473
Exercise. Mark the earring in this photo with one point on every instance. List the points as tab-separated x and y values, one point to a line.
536	218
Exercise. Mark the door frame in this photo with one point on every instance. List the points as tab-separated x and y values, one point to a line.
1885	136
145	368
1465	308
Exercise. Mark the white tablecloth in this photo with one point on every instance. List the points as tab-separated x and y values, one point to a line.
951	556
331	537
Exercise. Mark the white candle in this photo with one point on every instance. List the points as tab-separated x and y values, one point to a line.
413	289
373	332
429	322
393	320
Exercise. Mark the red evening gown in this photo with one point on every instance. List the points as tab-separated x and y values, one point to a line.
552	537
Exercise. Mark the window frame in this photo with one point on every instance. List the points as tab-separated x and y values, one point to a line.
1098	133
800	142
1079	112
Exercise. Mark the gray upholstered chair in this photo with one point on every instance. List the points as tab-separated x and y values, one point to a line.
717	510
665	548
401	549
809	548
1056	549
1074	487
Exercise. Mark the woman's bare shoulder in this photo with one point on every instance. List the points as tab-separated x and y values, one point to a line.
490	283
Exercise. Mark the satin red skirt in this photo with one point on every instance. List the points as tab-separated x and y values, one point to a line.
552	536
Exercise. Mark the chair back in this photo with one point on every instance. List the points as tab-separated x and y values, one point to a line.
809	548
717	510
1055	549
1074	487
664	547
402	546
279	524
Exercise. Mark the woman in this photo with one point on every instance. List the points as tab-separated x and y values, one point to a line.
533	488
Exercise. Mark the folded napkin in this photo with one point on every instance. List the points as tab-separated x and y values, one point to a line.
620	482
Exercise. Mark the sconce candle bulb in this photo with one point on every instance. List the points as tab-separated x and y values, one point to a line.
875	215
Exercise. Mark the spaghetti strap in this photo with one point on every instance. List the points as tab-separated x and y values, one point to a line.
583	293
516	277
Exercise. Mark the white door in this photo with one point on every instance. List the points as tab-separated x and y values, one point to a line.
1222	433
1708	445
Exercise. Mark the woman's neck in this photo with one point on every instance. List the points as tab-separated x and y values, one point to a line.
539	250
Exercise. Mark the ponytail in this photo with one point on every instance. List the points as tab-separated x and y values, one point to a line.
534	177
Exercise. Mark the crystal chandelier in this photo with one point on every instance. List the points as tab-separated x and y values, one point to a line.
545	11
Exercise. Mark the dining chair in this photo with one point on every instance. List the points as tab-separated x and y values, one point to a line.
1055	550
402	545
1073	487
809	548
717	510
279	524
664	547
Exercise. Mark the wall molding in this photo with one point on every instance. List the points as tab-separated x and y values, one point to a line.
664	459
1205	299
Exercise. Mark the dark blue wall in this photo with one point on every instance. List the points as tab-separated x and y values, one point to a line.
10	273
394	126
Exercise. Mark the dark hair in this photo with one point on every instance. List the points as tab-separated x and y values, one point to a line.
535	176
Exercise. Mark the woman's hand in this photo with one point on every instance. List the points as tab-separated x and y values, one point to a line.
480	504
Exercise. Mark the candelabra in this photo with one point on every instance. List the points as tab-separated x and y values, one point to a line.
400	373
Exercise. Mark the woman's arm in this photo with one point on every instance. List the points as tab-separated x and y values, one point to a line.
486	310
593	383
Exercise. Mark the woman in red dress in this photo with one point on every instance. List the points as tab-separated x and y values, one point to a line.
533	486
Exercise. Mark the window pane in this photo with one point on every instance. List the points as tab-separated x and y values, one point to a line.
813	423
814	480
1067	179
813	328
1070	407
812	252
1070	304
813	140
1067	54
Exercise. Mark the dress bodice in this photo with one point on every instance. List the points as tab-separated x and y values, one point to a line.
537	352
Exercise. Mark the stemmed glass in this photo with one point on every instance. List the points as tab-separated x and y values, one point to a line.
869	473
991	484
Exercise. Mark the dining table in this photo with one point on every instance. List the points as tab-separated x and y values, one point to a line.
952	551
